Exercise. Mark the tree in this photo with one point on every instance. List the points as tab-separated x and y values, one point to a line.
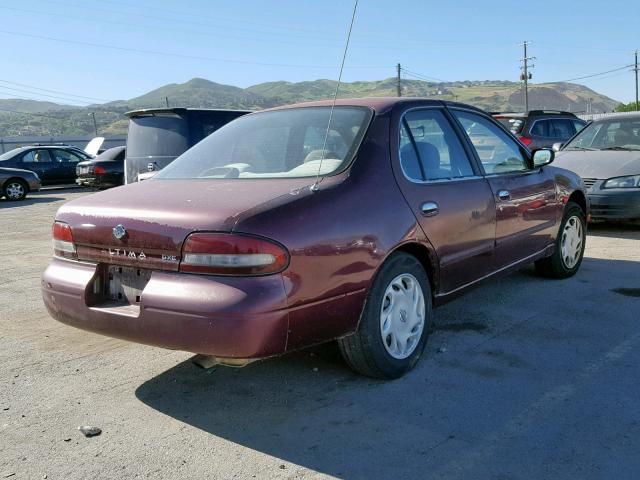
628	107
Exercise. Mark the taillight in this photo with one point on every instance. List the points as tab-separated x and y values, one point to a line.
63	245
99	169
232	254
526	140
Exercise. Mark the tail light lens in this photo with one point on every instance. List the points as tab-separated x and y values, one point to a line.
63	245
526	140
99	169
232	254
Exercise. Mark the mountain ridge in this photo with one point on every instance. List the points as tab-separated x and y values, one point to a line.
47	118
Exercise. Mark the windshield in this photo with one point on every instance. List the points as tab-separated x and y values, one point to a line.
614	134
10	154
277	144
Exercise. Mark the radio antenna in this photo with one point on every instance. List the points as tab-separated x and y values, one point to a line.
314	187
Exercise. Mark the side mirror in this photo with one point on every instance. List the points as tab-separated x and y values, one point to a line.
543	157
557	146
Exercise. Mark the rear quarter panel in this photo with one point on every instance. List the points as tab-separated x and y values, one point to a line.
338	237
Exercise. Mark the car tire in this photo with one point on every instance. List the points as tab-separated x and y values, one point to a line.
569	245
395	322
15	189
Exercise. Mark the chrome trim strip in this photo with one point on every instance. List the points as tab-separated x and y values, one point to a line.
506	267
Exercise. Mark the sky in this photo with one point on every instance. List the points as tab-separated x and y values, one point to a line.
84	51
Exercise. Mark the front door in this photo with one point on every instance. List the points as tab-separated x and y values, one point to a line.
452	202
525	197
67	162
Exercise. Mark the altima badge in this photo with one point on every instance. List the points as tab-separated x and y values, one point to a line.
119	232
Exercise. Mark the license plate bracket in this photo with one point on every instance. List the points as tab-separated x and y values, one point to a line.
124	285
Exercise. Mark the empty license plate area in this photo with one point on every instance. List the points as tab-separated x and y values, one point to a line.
124	285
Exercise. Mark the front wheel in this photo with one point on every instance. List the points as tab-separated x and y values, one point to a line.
15	190
569	247
395	321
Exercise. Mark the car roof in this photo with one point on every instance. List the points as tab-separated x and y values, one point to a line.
180	110
379	104
618	116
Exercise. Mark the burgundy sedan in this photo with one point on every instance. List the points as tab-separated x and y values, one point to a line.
303	224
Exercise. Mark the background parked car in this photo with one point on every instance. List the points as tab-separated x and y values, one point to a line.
15	183
106	170
53	164
158	136
606	154
541	128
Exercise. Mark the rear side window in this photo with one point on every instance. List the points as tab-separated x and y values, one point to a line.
430	148
36	156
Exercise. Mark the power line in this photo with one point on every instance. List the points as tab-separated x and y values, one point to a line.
180	55
424	77
53	91
45	95
593	74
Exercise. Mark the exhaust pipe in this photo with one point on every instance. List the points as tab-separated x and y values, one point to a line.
209	361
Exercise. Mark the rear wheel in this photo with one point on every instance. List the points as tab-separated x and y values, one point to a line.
395	321
15	189
569	247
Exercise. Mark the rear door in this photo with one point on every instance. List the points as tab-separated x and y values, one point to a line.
452	202
39	161
525	197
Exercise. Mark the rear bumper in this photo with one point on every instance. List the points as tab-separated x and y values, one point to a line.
620	204
107	180
225	317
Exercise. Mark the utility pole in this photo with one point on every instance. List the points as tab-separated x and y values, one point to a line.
526	75
95	125
166	99
398	85
635	69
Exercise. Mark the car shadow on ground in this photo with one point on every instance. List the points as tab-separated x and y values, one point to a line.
308	408
30	200
624	230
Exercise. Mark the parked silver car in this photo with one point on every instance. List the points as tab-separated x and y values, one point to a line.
606	154
15	183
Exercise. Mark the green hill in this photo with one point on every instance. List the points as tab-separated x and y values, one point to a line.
46	118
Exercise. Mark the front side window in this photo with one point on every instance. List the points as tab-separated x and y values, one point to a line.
36	156
541	128
65	156
562	128
285	143
497	151
430	148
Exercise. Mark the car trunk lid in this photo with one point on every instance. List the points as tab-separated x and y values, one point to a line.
153	218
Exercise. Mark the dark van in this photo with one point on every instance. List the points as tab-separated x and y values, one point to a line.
157	136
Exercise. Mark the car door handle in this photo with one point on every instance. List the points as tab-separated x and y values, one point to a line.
504	195
429	209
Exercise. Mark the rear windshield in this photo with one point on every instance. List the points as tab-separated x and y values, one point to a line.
513	124
278	144
157	136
